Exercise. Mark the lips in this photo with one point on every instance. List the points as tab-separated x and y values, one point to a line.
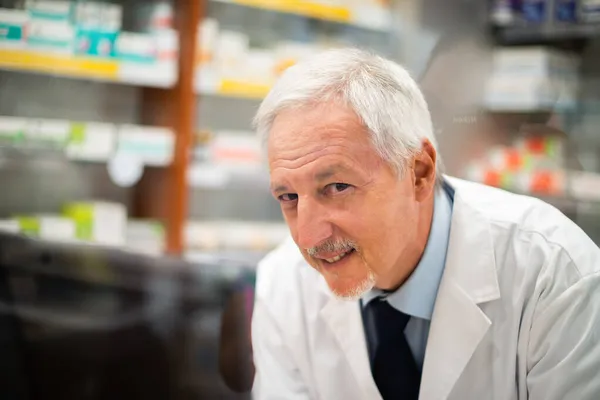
339	256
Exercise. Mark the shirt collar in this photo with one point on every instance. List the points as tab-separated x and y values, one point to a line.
416	297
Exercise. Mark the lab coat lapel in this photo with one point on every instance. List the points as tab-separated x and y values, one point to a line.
345	322
458	324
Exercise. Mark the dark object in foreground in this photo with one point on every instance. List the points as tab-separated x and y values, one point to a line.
84	322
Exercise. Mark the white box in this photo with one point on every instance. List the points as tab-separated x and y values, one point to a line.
147	237
51	36
50	10
111	18
56	228
88	15
12	129
151	145
136	47
9	226
231	54
99	222
95	142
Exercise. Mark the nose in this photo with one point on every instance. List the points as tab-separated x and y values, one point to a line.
312	224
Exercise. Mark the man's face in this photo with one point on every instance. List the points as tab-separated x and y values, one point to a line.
348	211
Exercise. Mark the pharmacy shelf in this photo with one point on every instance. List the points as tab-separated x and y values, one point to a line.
158	74
222	237
581	194
370	17
216	177
89	141
531	34
238	89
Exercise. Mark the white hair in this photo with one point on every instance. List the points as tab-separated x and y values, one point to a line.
382	94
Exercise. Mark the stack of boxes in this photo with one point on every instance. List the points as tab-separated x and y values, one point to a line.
225	55
92	222
532	78
510	12
90	141
91	28
227	156
534	164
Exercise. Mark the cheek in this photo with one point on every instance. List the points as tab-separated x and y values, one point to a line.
386	237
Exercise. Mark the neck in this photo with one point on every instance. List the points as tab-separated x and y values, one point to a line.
410	258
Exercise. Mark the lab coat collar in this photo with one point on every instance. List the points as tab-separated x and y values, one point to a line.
458	325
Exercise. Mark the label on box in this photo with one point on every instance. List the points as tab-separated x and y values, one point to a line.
50	10
153	146
95	43
12	130
47	133
29	225
10	32
51	35
136	47
88	15
91	141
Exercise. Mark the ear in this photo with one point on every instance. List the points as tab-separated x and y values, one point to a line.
424	171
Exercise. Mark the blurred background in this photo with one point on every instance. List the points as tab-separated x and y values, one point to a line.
128	122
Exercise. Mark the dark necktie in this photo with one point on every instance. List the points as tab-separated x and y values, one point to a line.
393	365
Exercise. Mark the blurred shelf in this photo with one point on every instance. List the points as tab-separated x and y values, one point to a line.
581	193
370	17
512	106
87	141
158	74
232	88
215	176
228	237
529	34
225	258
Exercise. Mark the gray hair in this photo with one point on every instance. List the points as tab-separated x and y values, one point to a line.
382	94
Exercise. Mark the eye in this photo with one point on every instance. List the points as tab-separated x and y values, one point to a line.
287	197
335	188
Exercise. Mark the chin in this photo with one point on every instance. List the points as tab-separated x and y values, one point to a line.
348	279
350	289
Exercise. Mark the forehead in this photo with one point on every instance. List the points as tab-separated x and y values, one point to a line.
318	143
304	133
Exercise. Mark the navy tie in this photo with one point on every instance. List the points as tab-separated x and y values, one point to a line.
392	363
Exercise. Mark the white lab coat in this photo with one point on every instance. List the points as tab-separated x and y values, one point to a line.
517	315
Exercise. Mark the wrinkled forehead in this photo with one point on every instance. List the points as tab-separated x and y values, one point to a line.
314	126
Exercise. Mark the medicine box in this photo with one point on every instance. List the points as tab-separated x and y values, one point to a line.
98	222
95	42
13	24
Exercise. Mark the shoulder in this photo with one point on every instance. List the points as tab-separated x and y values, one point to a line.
534	229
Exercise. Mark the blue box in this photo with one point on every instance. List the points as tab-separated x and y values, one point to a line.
535	11
566	11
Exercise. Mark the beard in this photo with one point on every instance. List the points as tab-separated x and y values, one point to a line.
356	291
343	288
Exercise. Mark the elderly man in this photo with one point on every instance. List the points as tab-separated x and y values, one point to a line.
399	282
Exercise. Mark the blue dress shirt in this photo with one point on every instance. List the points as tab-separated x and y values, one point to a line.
416	297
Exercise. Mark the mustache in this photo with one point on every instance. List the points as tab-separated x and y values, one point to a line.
331	246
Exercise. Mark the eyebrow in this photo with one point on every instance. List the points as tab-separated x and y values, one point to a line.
329	172
319	176
280	189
